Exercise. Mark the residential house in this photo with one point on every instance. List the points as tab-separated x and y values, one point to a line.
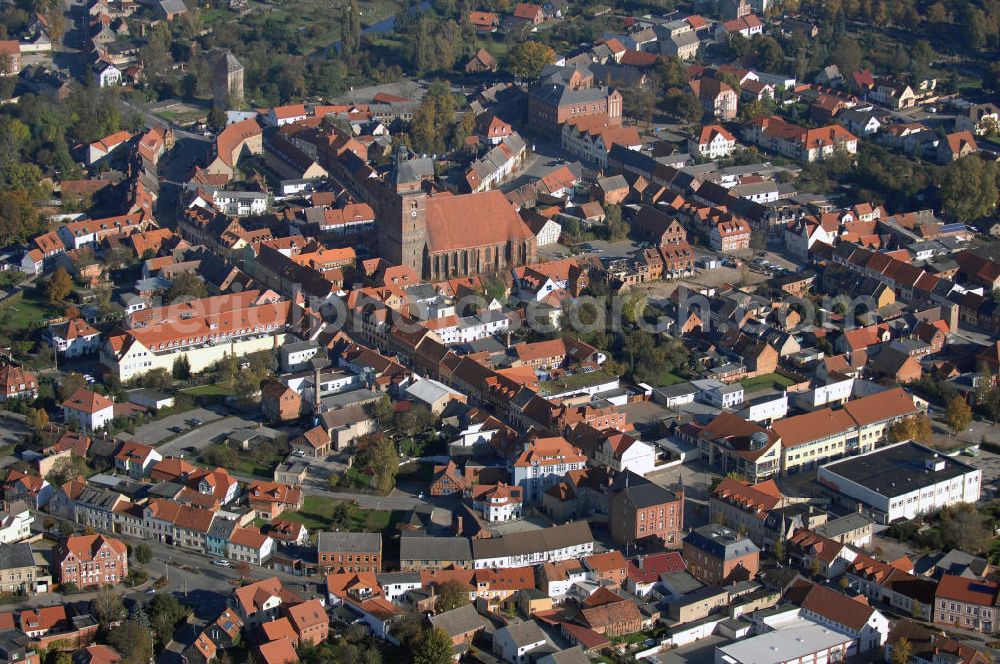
18	571
92	560
269	499
75	338
639	509
349	552
136	459
717	555
716	96
730	236
17	383
713	142
88	409
967	603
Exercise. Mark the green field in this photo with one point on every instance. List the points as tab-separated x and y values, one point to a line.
211	390
771	380
574	382
317	514
666	379
27	312
182	114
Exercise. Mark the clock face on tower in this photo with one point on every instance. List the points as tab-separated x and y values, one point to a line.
413	213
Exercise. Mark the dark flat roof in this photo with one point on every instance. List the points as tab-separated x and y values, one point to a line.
898	469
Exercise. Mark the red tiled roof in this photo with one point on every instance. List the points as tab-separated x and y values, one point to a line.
88	401
970	591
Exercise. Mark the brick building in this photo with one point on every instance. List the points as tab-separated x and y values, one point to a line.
92	560
349	552
564	93
639	509
717	555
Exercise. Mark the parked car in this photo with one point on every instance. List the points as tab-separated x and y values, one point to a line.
196	421
220	562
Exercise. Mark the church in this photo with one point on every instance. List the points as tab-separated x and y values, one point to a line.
443	236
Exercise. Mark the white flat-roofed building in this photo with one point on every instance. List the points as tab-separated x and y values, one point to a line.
902	481
797	640
766	408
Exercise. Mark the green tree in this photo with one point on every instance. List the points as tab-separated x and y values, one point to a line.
451	595
901	651
847	55
165	611
69	385
965	528
186	286
617	228
66	469
18	216
958	415
380	456
142	554
526	60
60	286
969	188
669	72
683	105
108	607
639	103
383	412
917	610
768	54
216	119
133	642
37	419
182	368
351	27
778	549
415	421
434	647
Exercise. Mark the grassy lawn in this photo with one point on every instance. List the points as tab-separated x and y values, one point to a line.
666	379
773	380
182	114
317	514
415	472
574	382
28	312
265	471
212	390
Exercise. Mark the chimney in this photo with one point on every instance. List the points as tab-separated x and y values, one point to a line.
316	390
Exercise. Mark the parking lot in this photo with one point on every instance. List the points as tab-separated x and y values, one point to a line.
158	431
989	462
203	436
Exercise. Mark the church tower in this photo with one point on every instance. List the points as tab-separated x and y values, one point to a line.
227	80
403	224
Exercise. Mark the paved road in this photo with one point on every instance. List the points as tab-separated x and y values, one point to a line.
191	576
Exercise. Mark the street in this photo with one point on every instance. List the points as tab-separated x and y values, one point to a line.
191	576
